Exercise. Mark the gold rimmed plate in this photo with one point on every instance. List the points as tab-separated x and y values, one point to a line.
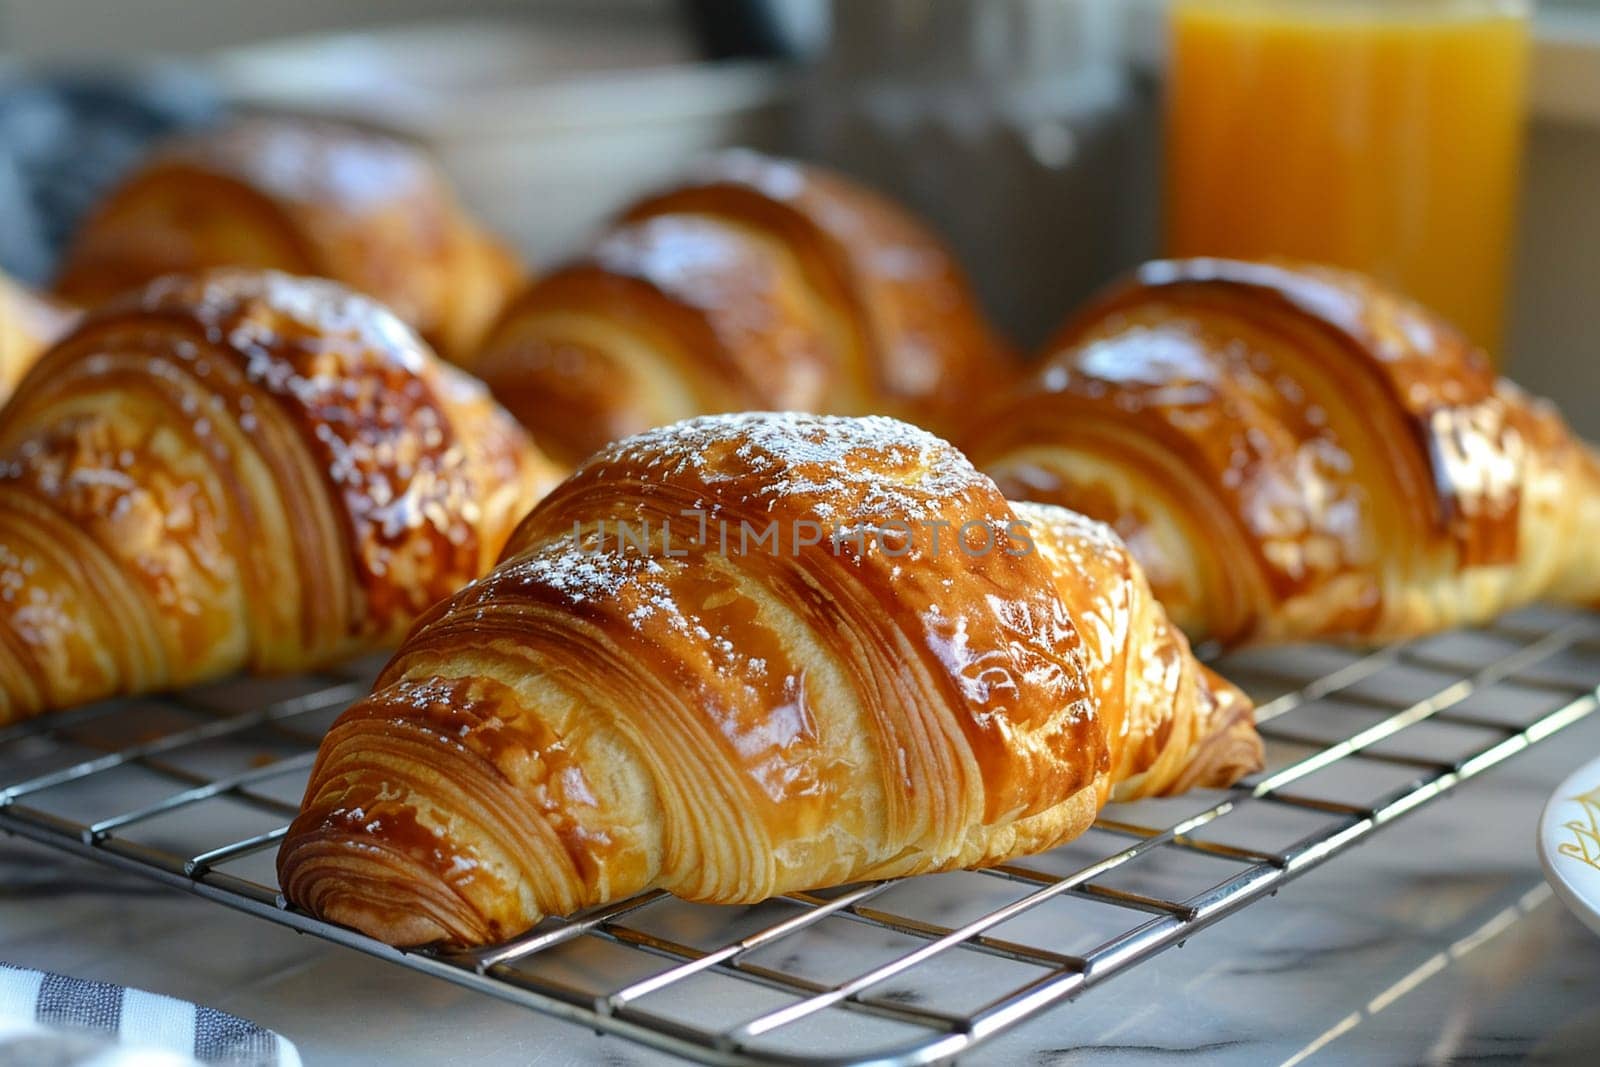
1569	843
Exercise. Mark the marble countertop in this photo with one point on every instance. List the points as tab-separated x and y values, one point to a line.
1437	941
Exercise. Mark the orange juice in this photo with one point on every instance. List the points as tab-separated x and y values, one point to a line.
1382	135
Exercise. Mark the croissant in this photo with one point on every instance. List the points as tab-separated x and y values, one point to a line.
246	470
308	197
760	283
641	696
1294	453
28	324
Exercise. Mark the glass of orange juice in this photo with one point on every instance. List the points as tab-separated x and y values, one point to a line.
1381	135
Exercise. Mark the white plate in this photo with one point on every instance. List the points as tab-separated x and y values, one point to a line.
1569	843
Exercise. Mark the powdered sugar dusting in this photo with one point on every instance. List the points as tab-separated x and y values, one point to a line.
592	572
1072	529
585	570
875	468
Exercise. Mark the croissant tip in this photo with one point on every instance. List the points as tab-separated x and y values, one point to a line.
364	884
1233	748
399	930
1243	754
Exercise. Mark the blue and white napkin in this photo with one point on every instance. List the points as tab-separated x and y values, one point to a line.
71	1022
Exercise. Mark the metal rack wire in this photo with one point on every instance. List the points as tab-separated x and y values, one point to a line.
196	789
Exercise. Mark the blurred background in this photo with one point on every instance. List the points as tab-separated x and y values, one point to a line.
1029	132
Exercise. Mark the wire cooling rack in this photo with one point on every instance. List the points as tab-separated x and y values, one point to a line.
197	788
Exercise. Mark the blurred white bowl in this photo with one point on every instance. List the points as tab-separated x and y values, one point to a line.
546	129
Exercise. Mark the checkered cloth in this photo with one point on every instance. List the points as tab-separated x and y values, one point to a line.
46	1018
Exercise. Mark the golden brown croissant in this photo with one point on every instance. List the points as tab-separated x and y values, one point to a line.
1292	452
732	658
759	284
308	197
247	470
28	325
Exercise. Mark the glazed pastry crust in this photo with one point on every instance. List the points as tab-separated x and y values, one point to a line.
1295	453
598	717
241	471
29	323
758	283
307	197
